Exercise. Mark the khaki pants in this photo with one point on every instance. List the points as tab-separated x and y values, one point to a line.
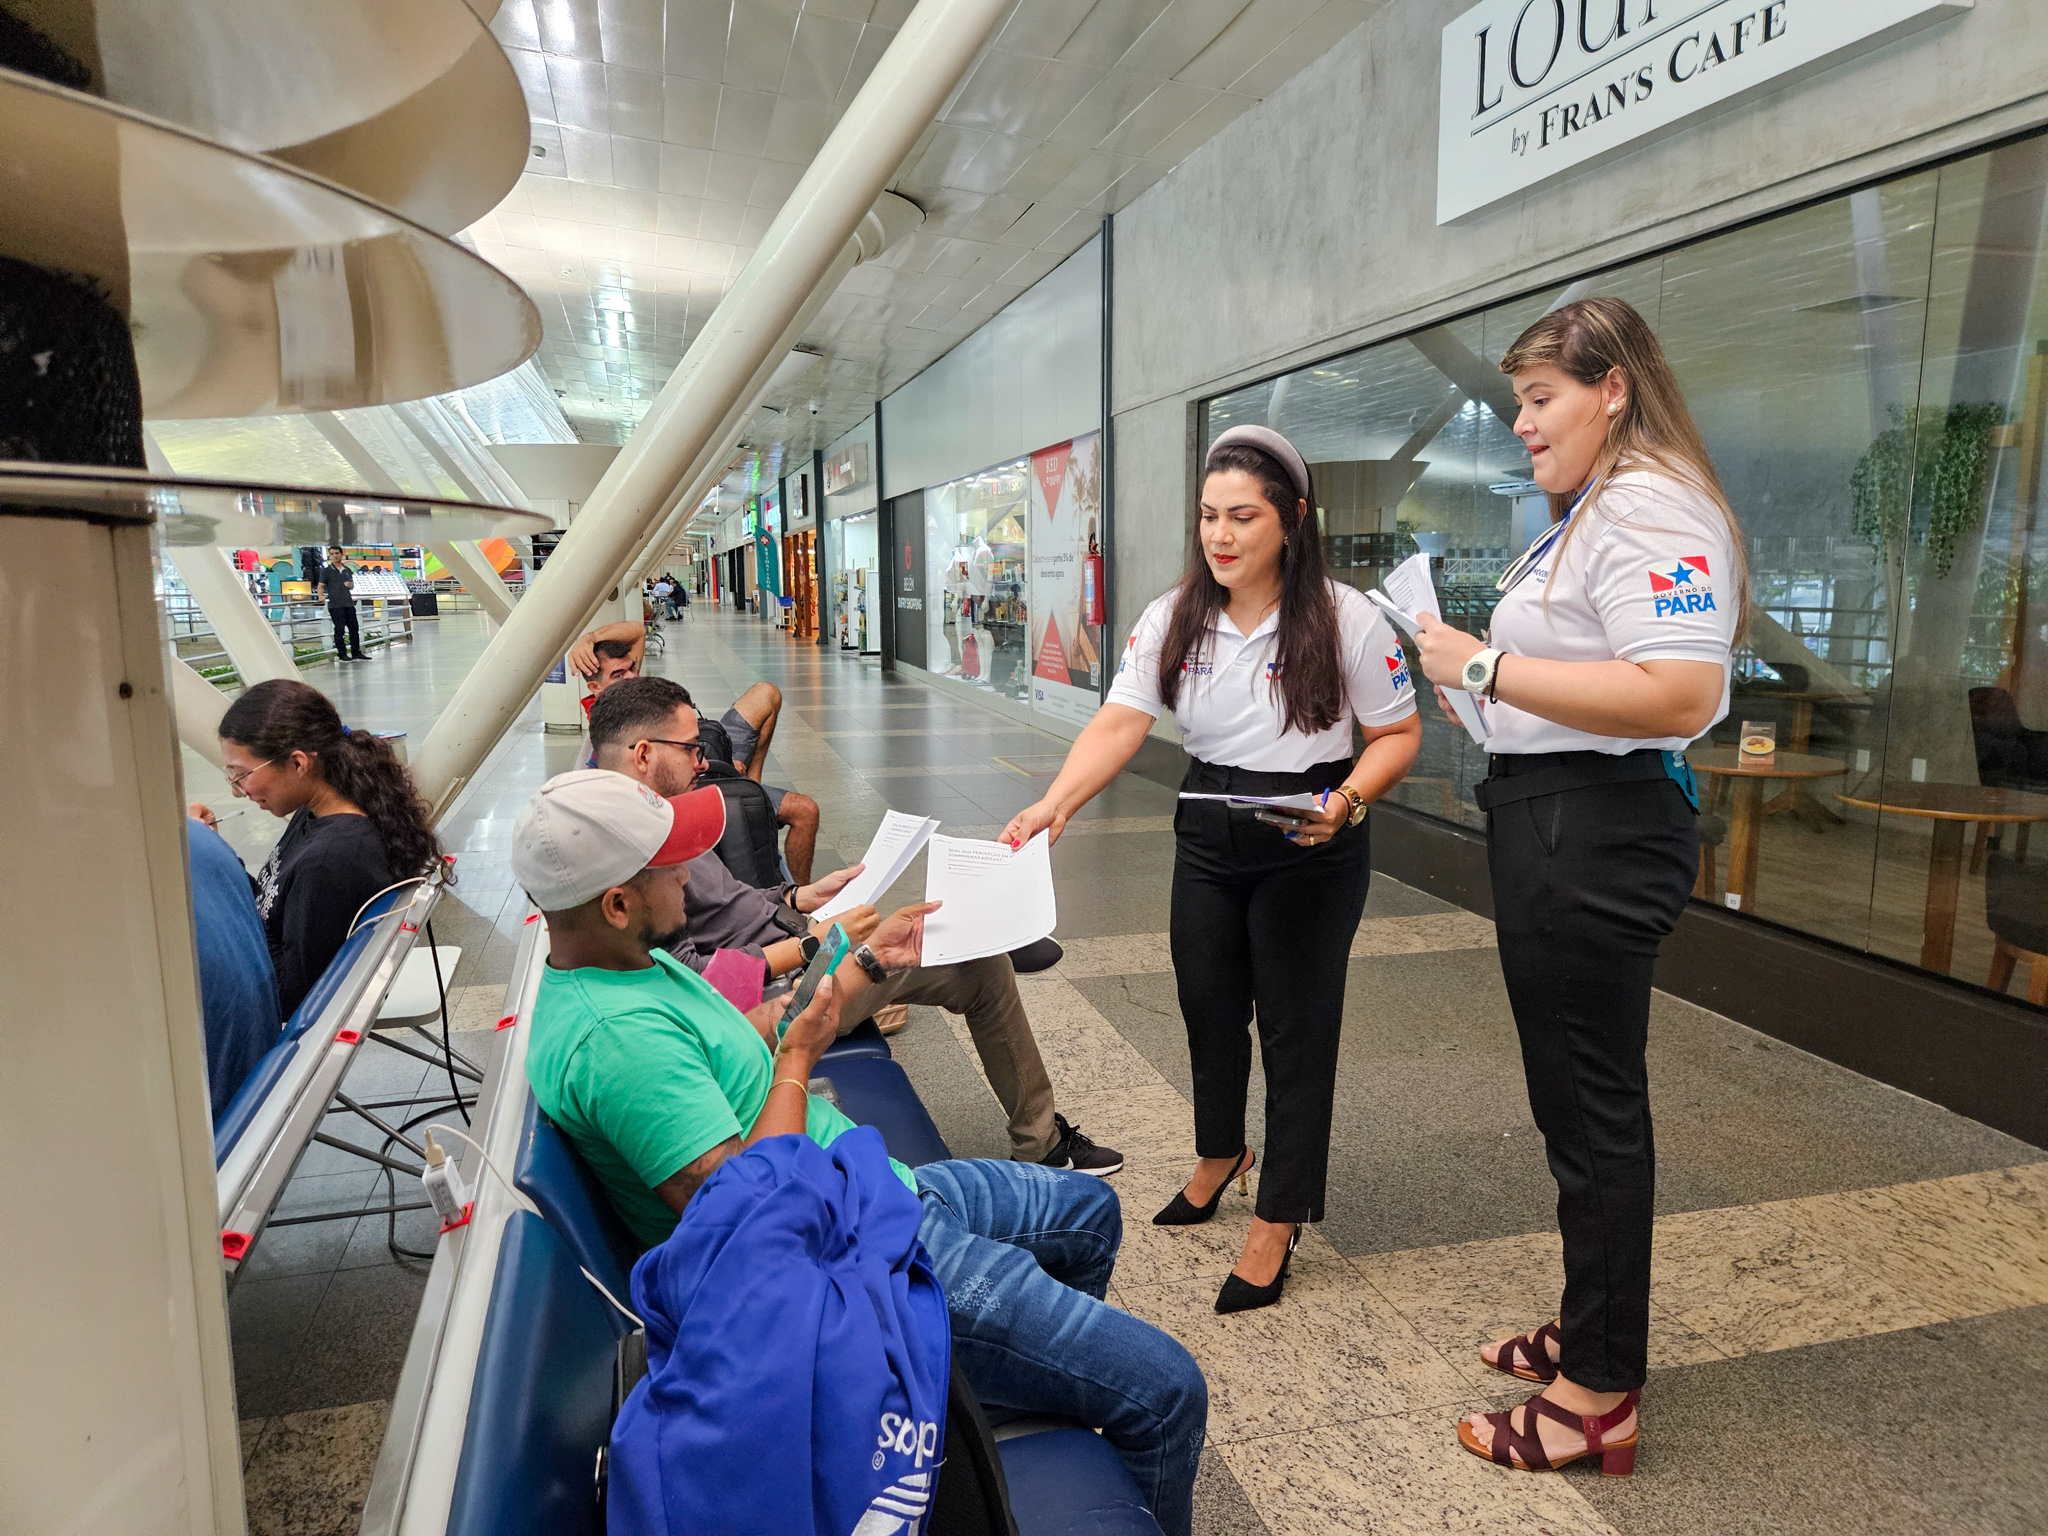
986	992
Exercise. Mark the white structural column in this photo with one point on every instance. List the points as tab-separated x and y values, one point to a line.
244	633
921	68
468	564
198	706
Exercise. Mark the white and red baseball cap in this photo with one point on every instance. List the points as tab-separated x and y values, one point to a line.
584	832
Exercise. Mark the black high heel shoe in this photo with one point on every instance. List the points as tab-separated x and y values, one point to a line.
1240	1295
1183	1212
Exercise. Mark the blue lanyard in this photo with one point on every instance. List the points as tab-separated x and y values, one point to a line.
1545	541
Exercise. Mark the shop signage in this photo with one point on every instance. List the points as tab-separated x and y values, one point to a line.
846	469
1534	88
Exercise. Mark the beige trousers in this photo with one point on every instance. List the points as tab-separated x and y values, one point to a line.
986	992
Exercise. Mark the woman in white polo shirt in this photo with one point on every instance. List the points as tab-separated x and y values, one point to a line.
1608	655
1265	663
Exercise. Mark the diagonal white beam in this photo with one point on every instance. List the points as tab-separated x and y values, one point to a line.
823	214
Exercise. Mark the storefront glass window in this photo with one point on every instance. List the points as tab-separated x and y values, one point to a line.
1871	375
977	611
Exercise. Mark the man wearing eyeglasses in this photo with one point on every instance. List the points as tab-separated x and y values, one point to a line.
646	728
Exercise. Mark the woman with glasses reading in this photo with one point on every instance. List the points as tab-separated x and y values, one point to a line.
1265	663
354	822
1608	655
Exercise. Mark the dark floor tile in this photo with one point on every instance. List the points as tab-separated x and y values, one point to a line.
303	1248
417	1232
355	1345
268	1321
1120	882
1928	1430
1221	1506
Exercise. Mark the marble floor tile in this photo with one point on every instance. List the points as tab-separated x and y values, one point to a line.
1121	954
1422	933
1747	1282
1397	1475
1152	1126
252	1435
1961	1246
1331	1350
1465	1294
1083	1051
476	1008
1154	1256
310	1472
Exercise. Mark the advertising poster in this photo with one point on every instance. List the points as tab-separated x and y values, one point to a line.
1066	579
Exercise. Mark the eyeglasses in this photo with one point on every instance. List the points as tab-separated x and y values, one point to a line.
688	746
236	780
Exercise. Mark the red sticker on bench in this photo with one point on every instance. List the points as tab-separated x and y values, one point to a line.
531	917
348	1037
408	927
234	1245
463	1221
508	1021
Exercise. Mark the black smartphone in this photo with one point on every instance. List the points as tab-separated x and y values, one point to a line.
1286	821
831	950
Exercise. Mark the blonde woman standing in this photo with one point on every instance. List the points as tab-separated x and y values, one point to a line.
1608	655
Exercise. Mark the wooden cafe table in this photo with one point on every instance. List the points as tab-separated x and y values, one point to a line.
1746	778
1950	807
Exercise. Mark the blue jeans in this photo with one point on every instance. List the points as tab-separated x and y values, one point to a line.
1024	1254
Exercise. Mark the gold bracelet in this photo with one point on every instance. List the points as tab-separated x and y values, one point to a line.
787	1082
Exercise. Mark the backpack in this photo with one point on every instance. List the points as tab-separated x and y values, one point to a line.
752	845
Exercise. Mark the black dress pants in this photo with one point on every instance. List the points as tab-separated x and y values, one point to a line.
1586	884
1262	927
348	633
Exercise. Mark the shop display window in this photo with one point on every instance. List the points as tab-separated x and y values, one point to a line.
1871	376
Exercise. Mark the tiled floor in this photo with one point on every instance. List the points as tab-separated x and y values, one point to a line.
1851	1298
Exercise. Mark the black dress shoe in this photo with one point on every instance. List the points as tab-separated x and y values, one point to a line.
1240	1295
1183	1212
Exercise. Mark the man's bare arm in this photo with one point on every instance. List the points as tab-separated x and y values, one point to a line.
676	1189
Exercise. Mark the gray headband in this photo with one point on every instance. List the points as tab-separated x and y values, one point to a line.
1268	442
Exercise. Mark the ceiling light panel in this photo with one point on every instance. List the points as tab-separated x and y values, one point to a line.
667	133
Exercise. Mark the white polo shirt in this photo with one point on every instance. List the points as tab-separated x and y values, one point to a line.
1647	576
1230	712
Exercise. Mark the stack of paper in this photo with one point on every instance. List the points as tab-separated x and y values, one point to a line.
1404	596
895	843
1270	802
996	898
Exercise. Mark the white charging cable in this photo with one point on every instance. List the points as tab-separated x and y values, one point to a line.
357	921
525	1204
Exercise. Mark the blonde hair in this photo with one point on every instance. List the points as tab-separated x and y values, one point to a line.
1591	338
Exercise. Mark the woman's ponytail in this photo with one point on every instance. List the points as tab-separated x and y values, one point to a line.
277	718
363	767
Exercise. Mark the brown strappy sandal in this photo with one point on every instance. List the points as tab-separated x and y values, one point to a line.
1533	1349
1523	1449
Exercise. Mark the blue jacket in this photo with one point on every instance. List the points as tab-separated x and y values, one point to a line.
798	1354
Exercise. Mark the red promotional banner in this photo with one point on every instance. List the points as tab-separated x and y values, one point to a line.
1050	465
1052	656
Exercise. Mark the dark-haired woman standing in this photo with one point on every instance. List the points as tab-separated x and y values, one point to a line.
356	823
1265	663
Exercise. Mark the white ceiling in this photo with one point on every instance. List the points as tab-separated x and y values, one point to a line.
666	134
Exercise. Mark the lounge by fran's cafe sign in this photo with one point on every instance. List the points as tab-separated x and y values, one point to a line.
1535	88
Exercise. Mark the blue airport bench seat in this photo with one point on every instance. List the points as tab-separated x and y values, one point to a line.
541	1405
241	1109
549	1172
864	1039
874	1091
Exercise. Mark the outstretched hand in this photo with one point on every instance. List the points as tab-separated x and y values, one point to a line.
898	942
813	896
1032	820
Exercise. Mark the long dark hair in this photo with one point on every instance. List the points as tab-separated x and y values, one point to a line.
1309	675
277	718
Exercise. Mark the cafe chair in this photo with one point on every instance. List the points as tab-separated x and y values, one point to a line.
2009	756
1713	831
2016	906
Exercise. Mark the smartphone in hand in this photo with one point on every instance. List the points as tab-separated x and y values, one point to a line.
1286	821
831	950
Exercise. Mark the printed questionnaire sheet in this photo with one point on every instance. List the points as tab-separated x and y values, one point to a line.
895	843
1405	593
996	898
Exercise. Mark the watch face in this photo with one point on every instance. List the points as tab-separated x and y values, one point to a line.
1475	671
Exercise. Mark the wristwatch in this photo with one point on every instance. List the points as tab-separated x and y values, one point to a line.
1357	804
865	959
809	948
1478	674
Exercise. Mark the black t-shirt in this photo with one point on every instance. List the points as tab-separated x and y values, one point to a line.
334	580
320	873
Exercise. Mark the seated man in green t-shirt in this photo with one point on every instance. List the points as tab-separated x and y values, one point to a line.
657	1081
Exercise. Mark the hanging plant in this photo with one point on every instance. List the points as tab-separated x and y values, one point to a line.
1932	463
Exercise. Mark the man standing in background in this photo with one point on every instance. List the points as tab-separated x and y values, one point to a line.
338	582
